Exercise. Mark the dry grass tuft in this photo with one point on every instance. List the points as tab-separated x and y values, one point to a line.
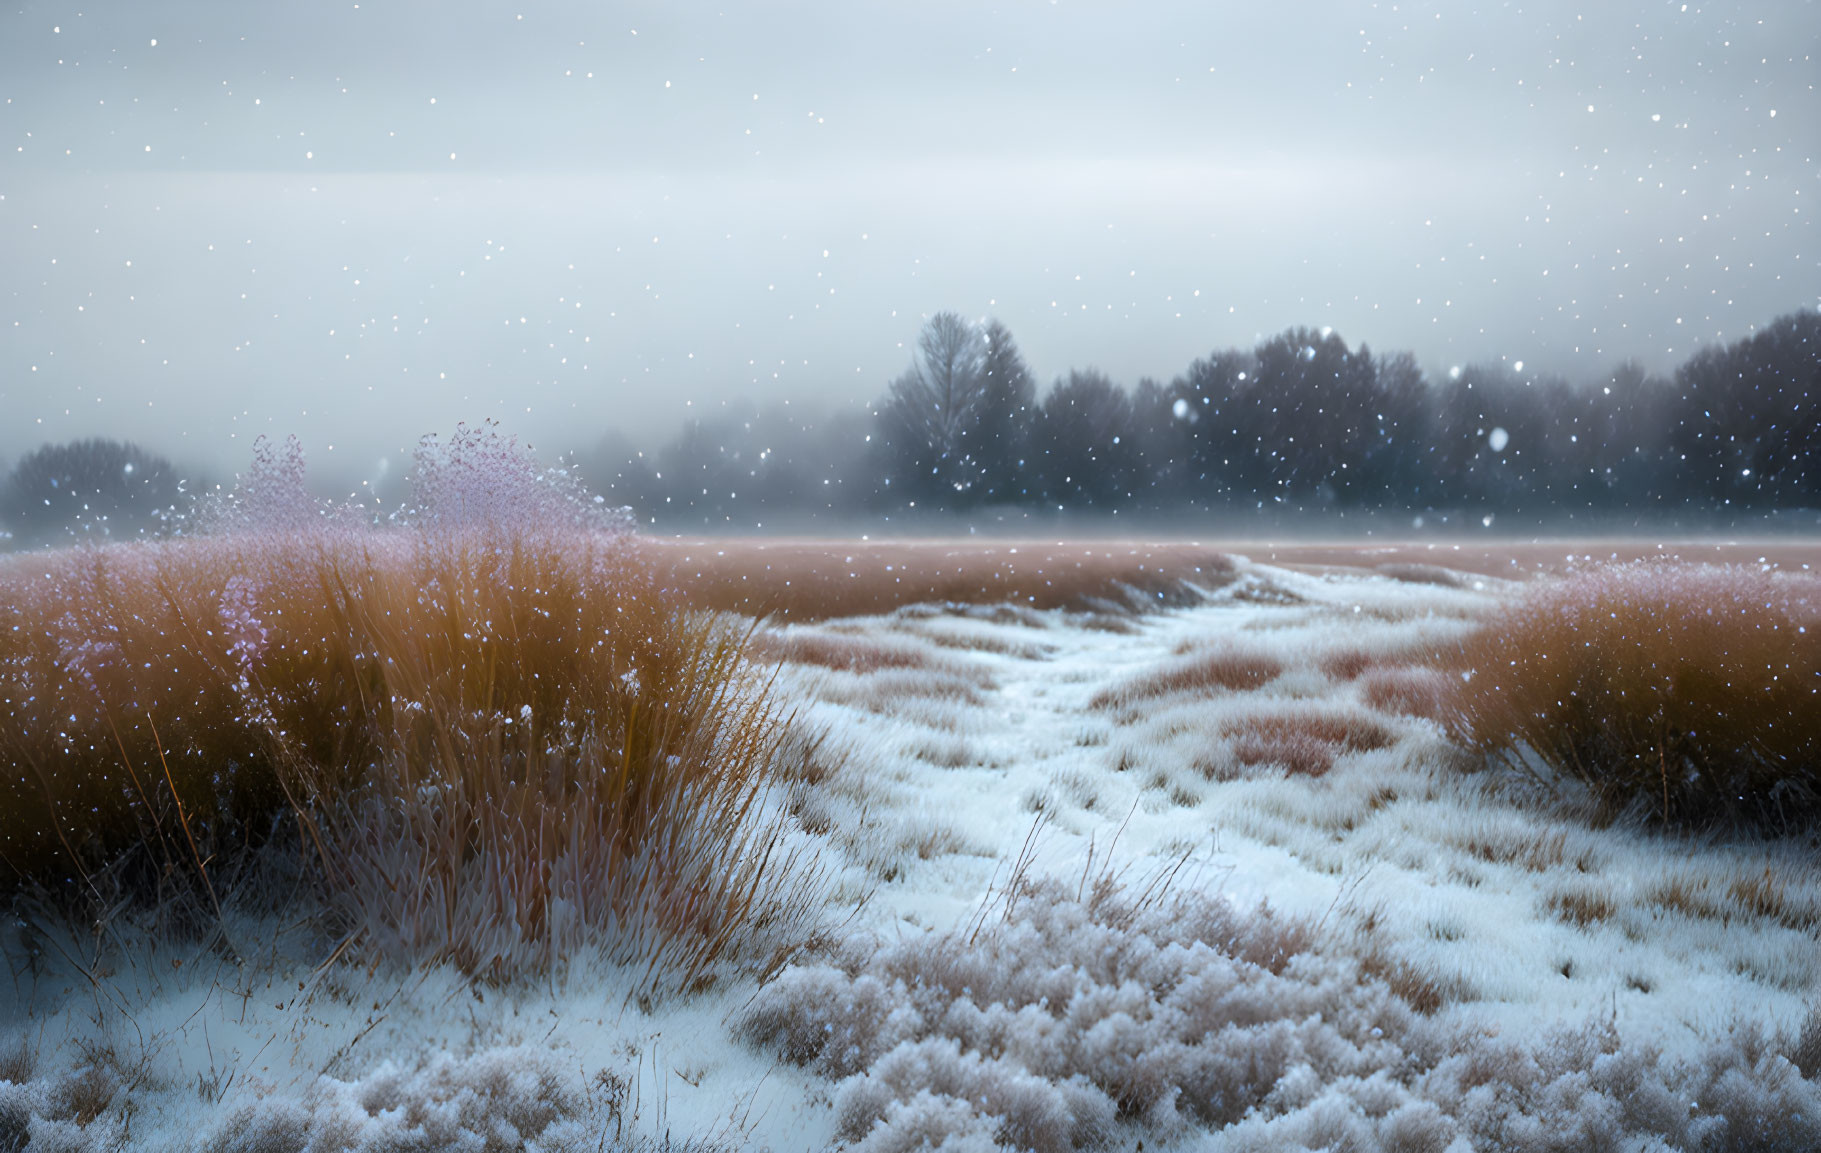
1582	906
981	642
1420	986
1253	588
1690	895
1769	894
943	751
1297	753
1805	1047
83	1096
1354	661
1421	574
1218	670
1774	894
1524	847
1692	693
920	695
816	580
500	745
1411	692
835	651
927	838
1347	664
17	1061
1304	742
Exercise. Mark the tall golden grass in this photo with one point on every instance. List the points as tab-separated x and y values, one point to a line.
1691	691
498	745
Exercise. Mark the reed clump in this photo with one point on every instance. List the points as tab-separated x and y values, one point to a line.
499	744
1692	693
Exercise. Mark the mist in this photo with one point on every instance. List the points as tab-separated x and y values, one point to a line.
363	224
809	575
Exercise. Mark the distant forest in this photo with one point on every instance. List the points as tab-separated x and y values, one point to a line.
1300	423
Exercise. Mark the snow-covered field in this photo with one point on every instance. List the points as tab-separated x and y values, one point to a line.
1205	877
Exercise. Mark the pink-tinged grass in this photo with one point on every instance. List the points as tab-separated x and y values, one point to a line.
840	652
1413	692
1351	662
1693	693
498	746
1304	742
1221	669
802	580
1521	559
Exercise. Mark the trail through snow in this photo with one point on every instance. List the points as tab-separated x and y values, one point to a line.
952	747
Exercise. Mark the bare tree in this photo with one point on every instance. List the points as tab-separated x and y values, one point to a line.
931	409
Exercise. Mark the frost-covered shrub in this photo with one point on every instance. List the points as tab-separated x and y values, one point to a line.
930	1122
1065	1021
1691	692
16	1101
1583	1089
68	1113
271	1126
1028	1111
1078	1012
493	1102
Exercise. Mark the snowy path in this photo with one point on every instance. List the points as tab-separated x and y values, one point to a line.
1511	913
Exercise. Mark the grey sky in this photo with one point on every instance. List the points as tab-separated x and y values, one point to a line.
361	222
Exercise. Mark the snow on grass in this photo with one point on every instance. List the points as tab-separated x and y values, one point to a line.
807	580
1476	903
283	1053
1693	690
1449	954
1444	864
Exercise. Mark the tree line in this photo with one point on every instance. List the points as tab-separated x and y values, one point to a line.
92	488
1301	421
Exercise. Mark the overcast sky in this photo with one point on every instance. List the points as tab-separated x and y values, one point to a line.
363	222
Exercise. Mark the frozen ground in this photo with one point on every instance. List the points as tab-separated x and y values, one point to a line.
1479	892
1265	748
